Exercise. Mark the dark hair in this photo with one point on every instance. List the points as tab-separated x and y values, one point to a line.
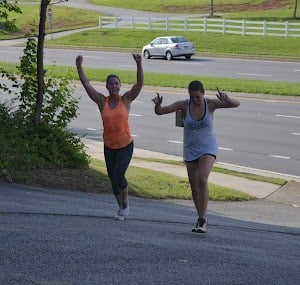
196	85
112	76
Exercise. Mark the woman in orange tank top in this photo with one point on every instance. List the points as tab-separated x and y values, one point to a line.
118	143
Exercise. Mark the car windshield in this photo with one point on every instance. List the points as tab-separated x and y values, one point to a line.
178	39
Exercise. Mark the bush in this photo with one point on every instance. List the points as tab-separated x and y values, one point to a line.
26	146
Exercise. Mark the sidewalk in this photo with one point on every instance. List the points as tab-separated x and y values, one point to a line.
289	194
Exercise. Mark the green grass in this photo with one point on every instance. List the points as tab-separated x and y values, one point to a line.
177	81
158	185
232	9
272	180
142	182
65	18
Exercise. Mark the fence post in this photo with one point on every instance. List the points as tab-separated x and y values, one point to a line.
224	26
286	28
100	22
264	28
185	24
167	24
149	24
243	28
204	25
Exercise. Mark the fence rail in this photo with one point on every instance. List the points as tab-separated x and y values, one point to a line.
204	25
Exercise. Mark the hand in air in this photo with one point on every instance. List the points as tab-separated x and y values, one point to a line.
222	96
137	57
79	60
158	99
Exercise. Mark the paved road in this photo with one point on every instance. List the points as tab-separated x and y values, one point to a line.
243	133
64	237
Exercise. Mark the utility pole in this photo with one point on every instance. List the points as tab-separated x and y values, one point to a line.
211	8
295	9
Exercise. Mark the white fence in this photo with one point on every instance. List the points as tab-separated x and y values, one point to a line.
204	25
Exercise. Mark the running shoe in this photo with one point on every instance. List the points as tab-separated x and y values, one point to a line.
201	226
124	210
118	216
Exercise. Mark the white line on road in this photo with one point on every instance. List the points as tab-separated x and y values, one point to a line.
254	74
280	156
287	116
179	142
225	148
296	134
134	136
187	62
270	101
91	129
135	115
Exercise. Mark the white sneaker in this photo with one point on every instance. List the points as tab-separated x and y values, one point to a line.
118	216
201	226
124	210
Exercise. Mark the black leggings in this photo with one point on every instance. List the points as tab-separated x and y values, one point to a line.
117	162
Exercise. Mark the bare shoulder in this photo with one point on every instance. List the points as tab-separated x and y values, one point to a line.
181	105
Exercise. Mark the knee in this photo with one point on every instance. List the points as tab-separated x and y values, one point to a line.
203	181
200	184
122	183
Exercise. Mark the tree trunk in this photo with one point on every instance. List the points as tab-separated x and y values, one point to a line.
40	62
295	9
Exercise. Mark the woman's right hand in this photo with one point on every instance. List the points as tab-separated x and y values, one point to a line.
79	60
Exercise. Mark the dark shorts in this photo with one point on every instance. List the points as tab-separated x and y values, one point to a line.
196	160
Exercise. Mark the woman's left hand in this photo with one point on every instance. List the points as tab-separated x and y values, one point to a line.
222	96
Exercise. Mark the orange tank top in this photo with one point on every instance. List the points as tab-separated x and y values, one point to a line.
116	132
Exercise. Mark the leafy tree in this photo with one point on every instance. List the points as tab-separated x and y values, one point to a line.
5	8
59	104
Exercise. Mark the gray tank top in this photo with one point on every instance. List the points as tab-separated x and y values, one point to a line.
199	135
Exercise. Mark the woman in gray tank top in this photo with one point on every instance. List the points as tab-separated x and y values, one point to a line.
200	144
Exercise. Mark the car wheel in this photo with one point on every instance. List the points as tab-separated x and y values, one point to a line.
169	55
146	54
188	56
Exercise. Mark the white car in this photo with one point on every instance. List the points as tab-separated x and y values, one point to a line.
169	47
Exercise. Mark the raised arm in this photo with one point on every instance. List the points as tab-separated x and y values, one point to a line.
96	96
137	87
159	110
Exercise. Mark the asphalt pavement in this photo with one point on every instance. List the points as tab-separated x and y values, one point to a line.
65	237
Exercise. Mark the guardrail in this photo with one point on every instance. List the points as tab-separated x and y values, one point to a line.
204	25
